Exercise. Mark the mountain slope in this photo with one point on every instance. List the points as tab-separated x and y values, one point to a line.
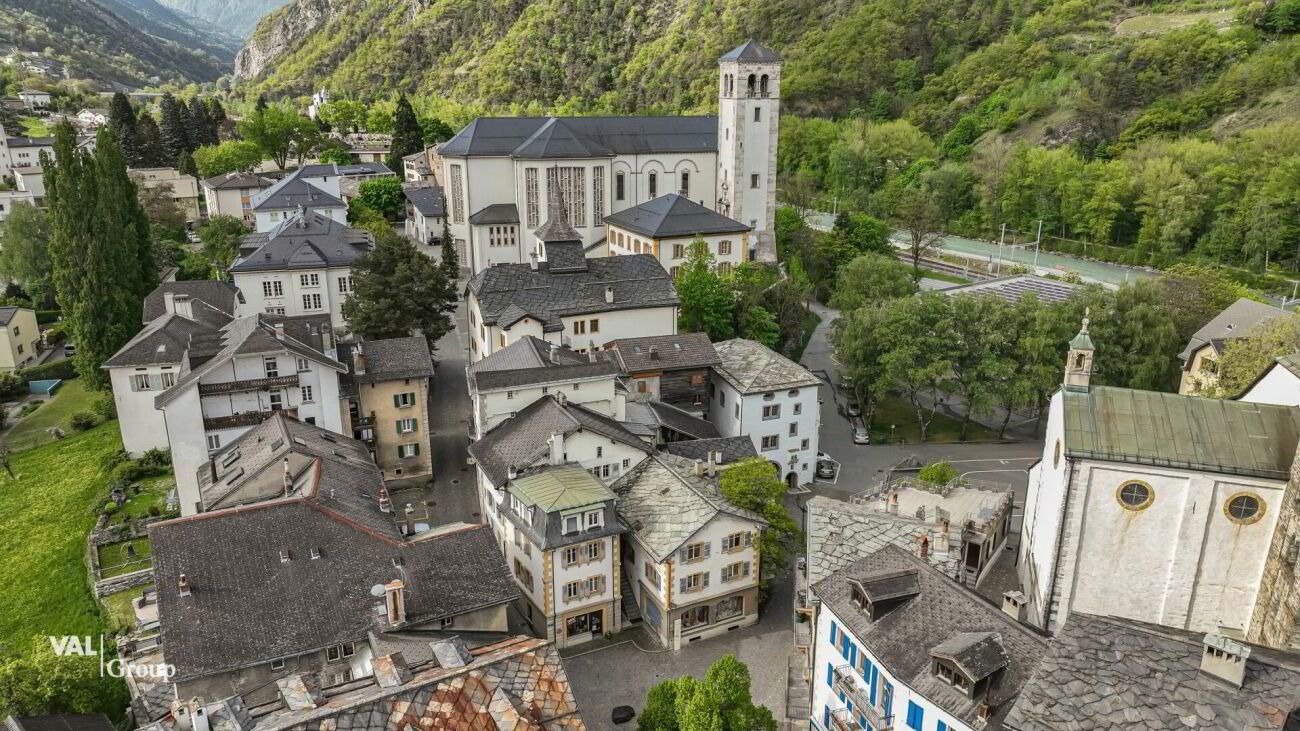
123	41
238	17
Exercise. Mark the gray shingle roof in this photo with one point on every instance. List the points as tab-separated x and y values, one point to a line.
521	440
751	50
733	449
1234	322
364	168
752	367
1165	429
672	216
601	136
7	313
429	200
663	502
941	615
840	533
1013	288
293	192
310	241
494	214
1108	674
389	360
530	361
221	296
165	340
657	415
638	280
671	352
556	228
235	180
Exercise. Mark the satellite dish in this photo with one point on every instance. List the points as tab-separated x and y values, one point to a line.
377	590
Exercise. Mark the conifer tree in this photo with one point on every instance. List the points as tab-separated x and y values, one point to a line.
150	142
174	127
185	165
450	257
261	103
122	121
407	137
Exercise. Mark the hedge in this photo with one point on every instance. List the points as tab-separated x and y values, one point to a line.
62	369
45	317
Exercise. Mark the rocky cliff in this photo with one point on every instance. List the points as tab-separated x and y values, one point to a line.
238	17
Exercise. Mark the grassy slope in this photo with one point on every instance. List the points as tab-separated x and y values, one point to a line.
71	398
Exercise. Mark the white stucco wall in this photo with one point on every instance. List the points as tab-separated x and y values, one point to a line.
737	415
621	241
143	426
1278	386
493	407
250	285
614	324
267	220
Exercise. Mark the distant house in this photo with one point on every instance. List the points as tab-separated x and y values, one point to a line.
1278	384
21	152
369	147
387	388
417	169
232	194
20	338
426	212
670	368
28	187
1201	356
667	227
35	99
312	187
184	188
92	118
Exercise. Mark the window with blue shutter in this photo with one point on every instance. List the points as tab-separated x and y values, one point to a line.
830	673
853	655
834	631
871	683
915	715
889	699
826	716
941	727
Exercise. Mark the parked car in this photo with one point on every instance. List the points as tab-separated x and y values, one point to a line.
69	349
861	435
854	409
826	470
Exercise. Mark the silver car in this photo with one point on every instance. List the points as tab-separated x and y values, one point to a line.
861	435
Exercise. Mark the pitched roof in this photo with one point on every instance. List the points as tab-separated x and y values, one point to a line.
219	296
493	214
62	721
1189	432
752	367
294	192
522	440
1235	321
556	228
363	168
840	533
429	200
237	179
663	502
308	241
751	50
670	352
599	136
733	449
672	216
637	280
1107	674
531	361
560	488
658	415
1014	288
169	339
7	313
388	360
942	615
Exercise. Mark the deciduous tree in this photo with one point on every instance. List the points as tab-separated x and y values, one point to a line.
397	292
24	249
722	701
919	217
382	194
1245	359
706	302
227	157
754	484
276	130
870	281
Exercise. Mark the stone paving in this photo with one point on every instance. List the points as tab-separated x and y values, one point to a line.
453	491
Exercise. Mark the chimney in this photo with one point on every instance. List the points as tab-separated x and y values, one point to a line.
183	585
555	352
326	338
1013	605
184	307
1225	659
301	692
395	601
984	711
924	546
279	329
557	448
532	261
391	670
654	353
941	538
169	302
893	503
198	716
609	295
591	351
511	472
288	478
385	505
359	360
700	468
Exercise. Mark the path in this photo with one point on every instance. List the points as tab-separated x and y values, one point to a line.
454	482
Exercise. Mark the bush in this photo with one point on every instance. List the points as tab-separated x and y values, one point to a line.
61	369
938	473
55	334
113	459
45	317
131	471
83	421
105	407
156	459
11	386
29	408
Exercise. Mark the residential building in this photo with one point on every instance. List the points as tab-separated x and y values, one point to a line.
603	165
369	147
310	519
232	194
318	99
569	300
758	392
59	722
92	118
1276	622
1278	384
21	152
35	99
20	338
668	226
673	369
419	167
184	189
899	645
1107	673
690	556
388	391
426	212
1181	496
1017	286
352	175
302	266
314	188
28	187
504	383
560	536
662	423
1201	356
722	450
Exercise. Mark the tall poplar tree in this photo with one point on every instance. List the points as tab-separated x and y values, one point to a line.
174	125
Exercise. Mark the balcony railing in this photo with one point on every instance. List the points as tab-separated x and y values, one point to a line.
248	418
846	683
251	384
363	421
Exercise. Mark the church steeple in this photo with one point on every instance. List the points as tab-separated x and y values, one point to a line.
1078	365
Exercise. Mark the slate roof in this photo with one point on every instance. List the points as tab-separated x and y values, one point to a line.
59	722
733	449
167	340
1188	432
528	361
522	440
751	50
388	360
363	168
664	503
560	488
658	415
672	216
1107	674
1235	321
308	241
977	654
219	296
506	290
839	533
29	141
752	367
293	192
557	228
942	615
671	352
236	180
247	606
1014	288
581	136
7	313
494	214
429	200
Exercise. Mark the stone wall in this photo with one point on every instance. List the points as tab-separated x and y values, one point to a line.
1276	621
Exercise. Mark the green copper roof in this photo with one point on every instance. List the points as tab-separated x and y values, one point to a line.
1187	432
1082	341
560	488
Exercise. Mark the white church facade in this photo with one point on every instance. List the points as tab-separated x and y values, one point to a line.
499	172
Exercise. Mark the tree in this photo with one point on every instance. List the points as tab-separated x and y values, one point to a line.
1193	294
185	165
344	115
277	130
919	217
434	130
174	126
916	345
305	139
166	217
754	484
450	257
979	328
1244	359
407	137
337	154
722	701
705	299
870	281
397	292
41	682
379	118
24	249
122	121
382	194
221	236
227	157
151	152
1137	342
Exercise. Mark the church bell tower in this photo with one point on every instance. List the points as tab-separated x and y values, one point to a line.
749	102
1078	364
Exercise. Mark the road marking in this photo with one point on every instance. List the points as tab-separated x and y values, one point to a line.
981	472
999	460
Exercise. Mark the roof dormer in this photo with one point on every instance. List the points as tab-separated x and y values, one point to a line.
878	594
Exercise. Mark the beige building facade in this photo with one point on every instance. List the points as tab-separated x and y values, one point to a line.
21	338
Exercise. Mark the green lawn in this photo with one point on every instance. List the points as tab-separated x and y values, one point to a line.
33	127
113	559
945	277
153	494
943	429
121	613
71	398
1156	23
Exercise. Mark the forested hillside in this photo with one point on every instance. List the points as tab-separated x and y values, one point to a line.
125	41
1120	124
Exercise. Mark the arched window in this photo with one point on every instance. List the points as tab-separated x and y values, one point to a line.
762	85
751	84
1078	361
654	185
686	184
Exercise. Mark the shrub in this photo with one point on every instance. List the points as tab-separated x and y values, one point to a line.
83	421
45	317
105	407
131	471
154	511
55	335
29	407
113	459
938	473
156	459
11	386
62	369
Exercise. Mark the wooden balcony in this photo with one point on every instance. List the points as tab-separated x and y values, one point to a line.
846	683
251	384
248	418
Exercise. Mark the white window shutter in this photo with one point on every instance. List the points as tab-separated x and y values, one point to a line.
681	585
708	549
744	571
681	555
706	579
749	538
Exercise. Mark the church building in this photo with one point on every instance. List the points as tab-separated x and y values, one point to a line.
500	173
